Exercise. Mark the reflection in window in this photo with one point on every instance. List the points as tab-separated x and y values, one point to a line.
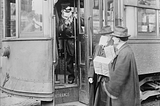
147	2
96	22
96	4
96	18
110	18
31	16
81	17
146	21
10	22
13	19
1	10
159	20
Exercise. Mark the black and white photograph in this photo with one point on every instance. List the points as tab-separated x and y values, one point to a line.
79	52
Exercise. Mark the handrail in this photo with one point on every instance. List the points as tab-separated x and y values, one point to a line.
90	38
54	42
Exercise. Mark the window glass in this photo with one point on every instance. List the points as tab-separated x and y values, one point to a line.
1	9
1	22
147	2
146	21
159	20
96	22
110	18
10	18
97	12
13	19
81	17
104	11
31	16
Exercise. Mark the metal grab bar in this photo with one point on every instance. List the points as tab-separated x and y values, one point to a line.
90	37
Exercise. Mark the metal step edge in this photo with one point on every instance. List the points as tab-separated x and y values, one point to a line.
72	104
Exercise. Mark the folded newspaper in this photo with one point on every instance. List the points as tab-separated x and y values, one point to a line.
101	63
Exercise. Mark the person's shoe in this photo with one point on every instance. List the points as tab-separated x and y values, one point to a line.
71	79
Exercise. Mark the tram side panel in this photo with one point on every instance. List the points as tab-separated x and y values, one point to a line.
148	65
147	57
28	69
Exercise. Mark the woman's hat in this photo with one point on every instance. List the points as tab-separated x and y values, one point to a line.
120	32
105	30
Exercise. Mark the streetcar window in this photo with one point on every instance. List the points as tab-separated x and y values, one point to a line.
81	16
31	16
96	22
146	21
99	15
102	11
159	20
1	9
1	21
110	18
10	18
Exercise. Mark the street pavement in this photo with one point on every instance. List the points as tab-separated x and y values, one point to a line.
8	100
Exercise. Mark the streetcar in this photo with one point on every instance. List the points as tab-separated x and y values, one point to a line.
39	61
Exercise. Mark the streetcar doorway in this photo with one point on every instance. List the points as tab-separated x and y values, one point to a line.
71	49
66	36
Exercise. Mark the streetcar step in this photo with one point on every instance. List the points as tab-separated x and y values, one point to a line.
71	104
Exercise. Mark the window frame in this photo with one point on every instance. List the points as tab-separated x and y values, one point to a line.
29	34
5	19
147	34
46	24
135	6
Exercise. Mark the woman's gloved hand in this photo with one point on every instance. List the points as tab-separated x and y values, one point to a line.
90	80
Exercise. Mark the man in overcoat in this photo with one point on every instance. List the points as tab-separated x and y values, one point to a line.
123	84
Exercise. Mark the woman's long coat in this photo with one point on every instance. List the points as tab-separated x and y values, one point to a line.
124	81
98	97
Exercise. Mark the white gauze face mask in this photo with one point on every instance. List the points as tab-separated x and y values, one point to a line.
66	14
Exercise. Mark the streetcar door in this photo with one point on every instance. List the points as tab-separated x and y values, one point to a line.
97	13
85	48
67	70
73	36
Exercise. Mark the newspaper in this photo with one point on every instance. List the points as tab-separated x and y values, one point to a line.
101	63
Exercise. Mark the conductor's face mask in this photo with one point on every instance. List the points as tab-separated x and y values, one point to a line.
67	13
